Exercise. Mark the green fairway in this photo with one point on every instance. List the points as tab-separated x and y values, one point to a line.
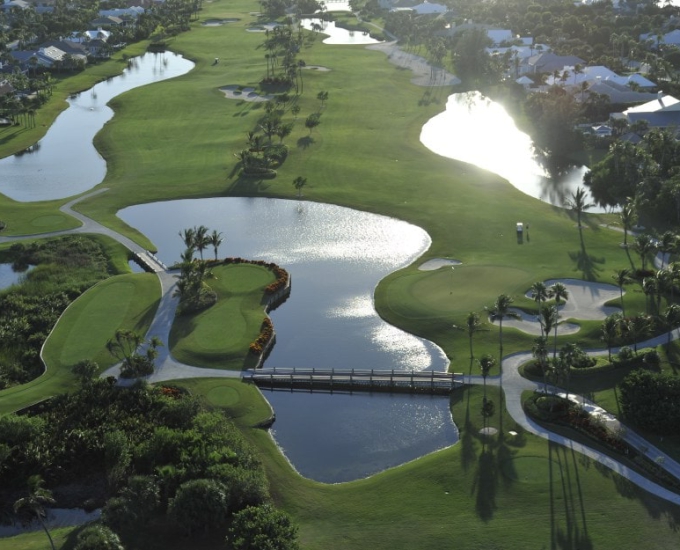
123	301
219	336
177	139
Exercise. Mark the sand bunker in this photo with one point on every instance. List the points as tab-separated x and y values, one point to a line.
586	301
233	91
316	68
436	263
263	28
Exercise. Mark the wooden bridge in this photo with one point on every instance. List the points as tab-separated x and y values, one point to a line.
357	380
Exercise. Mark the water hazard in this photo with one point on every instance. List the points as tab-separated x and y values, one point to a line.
335	256
479	131
65	162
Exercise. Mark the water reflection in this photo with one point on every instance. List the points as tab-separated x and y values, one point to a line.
358	435
9	277
336	35
476	130
335	256
65	162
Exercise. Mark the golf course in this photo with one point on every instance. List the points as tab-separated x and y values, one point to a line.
181	139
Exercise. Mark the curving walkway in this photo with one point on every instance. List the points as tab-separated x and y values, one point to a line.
510	381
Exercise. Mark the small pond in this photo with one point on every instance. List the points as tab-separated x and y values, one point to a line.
479	131
335	256
65	162
336	35
9	277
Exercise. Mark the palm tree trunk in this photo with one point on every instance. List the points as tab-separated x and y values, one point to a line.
42	523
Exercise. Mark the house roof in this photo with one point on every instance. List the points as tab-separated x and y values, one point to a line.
548	62
426	8
662	104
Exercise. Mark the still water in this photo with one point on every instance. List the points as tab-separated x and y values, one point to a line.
335	256
65	162
9	277
336	35
479	131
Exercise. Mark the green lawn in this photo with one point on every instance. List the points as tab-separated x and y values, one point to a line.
510	493
219	336
123	301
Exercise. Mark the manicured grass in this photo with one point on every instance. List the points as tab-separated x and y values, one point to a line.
366	154
499	492
219	336
124	301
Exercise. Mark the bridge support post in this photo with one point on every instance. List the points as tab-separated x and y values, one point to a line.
291	382
432	383
332	373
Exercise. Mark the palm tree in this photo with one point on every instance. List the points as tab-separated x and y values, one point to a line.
35	502
578	203
486	363
499	310
540	352
610	330
299	183
189	237
622	277
638	329
643	246
568	355
667	244
548	319
473	324
670	319
539	293
559	292
628	217
322	97
215	240
201	239
650	286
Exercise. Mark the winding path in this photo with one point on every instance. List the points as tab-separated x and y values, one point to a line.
510	381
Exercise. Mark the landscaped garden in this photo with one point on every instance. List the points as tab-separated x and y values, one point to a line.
502	490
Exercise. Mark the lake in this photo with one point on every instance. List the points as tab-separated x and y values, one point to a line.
336	256
65	162
479	131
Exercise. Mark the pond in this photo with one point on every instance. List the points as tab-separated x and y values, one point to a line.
335	256
336	35
65	162
9	277
479	131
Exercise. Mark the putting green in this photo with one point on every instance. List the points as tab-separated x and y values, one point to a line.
440	290
223	396
531	469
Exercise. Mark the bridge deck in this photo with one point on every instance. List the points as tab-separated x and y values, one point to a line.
351	380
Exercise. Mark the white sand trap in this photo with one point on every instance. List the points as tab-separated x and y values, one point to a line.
319	68
586	301
264	28
489	430
233	91
436	263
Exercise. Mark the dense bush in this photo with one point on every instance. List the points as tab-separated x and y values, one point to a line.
66	267
652	401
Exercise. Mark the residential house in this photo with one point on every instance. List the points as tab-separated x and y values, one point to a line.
669	39
548	62
662	112
426	8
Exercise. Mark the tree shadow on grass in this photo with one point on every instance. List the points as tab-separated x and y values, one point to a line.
305	142
147	316
590	266
248	186
485	484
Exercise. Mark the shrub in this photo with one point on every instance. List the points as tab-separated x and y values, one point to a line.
98	537
199	504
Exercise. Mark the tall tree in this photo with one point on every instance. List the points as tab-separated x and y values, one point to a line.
578	202
540	352
644	245
622	277
486	363
609	331
539	293
299	183
559	292
215	240
473	324
628	216
34	503
497	312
